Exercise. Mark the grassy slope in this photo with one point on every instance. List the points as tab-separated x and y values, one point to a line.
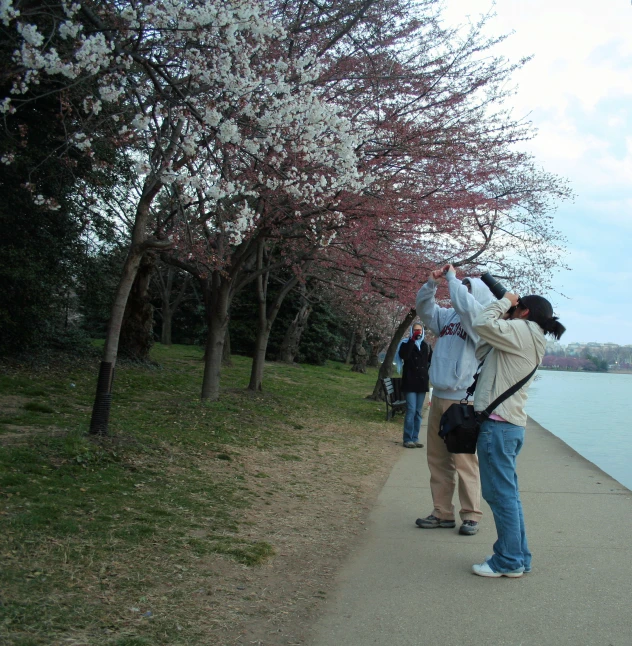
87	526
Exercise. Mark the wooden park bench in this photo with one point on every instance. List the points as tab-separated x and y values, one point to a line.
393	396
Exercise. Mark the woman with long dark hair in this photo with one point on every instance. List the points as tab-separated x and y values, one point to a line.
512	342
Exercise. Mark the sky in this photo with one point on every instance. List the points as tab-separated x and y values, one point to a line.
577	91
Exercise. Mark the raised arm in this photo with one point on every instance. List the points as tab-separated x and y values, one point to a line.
466	306
433	316
493	330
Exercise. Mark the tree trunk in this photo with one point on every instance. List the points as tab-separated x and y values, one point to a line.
138	245
374	360
292	339
359	353
136	330
227	362
266	318
213	358
218	290
259	357
350	350
167	308
217	298
103	397
387	365
167	316
166	313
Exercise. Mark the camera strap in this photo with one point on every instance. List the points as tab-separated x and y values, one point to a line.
508	393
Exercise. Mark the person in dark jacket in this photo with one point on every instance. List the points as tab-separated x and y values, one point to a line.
415	354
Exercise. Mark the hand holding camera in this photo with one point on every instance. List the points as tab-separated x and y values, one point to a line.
514	299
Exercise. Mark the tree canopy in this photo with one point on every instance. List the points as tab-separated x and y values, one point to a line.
349	144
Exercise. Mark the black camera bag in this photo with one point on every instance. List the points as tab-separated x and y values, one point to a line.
460	424
459	428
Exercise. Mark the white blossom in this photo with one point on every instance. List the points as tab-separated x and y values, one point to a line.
6	106
110	93
68	29
93	54
141	122
212	116
229	133
71	10
240	101
129	15
142	168
189	146
30	34
7	12
82	142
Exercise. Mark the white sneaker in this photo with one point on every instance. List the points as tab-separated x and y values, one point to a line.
489	556
483	569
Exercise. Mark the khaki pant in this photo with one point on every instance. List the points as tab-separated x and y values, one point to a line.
444	467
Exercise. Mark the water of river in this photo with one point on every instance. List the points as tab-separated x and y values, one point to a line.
591	413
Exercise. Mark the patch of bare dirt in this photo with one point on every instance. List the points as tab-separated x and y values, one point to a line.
314	500
14	434
12	404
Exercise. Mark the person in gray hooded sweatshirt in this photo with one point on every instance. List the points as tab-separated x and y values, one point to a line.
451	372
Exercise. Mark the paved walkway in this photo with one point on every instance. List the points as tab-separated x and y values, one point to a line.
405	586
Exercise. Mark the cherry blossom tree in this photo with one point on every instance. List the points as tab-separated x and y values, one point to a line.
208	107
356	138
422	128
452	184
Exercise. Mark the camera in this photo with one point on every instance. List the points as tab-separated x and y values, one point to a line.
495	286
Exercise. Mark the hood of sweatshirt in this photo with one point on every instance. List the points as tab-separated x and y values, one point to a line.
480	291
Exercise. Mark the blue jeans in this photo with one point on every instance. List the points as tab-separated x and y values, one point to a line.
499	444
412	421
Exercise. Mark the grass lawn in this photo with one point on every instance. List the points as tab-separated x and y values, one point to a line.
104	540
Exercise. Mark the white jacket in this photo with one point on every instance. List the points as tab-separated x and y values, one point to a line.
453	361
511	350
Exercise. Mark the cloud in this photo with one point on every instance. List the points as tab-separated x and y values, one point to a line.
578	93
578	47
582	327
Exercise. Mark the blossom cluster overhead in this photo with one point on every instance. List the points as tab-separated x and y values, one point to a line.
209	78
362	124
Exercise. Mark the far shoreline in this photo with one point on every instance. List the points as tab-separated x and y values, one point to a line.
589	372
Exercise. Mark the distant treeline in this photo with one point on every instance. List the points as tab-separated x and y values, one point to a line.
588	363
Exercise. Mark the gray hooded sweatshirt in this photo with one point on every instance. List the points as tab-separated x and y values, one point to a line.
453	361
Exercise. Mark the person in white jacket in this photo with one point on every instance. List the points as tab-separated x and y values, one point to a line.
451	373
512	344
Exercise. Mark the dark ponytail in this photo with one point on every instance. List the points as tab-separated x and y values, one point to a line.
541	312
553	327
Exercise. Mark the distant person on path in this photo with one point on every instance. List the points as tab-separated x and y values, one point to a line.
452	371
512	343
413	359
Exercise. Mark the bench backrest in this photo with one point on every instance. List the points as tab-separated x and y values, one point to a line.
388	386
